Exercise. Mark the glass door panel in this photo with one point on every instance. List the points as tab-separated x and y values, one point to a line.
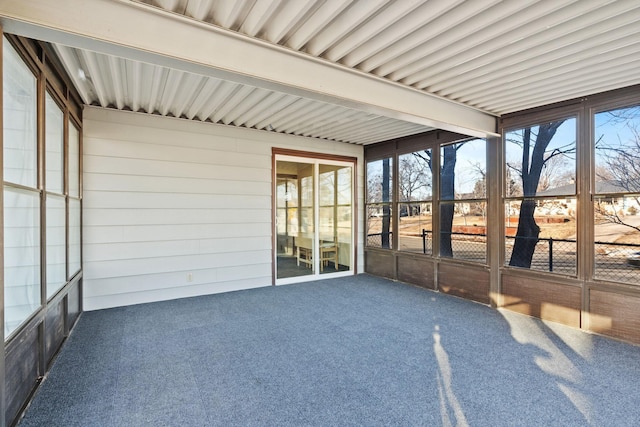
294	219
314	217
335	218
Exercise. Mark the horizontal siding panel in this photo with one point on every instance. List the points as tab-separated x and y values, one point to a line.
150	233
131	298
149	282
159	135
160	281
159	152
232	273
119	200
254	147
154	184
139	266
150	216
121	166
116	251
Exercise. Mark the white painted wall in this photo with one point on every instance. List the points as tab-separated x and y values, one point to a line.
166	197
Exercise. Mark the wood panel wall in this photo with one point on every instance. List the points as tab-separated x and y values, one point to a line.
542	298
466	281
380	263
417	270
54	332
25	360
615	314
22	370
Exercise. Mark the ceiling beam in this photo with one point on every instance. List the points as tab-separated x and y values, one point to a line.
140	32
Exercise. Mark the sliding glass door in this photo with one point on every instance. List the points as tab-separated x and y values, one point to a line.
314	218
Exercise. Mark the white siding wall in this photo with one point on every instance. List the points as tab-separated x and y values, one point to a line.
168	199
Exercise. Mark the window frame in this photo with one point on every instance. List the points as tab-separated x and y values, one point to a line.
49	84
533	119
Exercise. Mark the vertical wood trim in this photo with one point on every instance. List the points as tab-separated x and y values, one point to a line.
495	222
65	187
80	189
3	407
274	234
435	209
354	215
395	211
42	185
585	185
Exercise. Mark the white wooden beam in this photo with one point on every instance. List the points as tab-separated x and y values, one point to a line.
143	33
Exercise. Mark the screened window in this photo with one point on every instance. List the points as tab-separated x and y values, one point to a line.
378	204
54	145
39	232
21	256
617	194
20	131
463	204
74	237
21	204
415	210
74	161
540	190
56	260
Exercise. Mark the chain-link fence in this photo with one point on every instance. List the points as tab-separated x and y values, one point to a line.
465	246
618	262
613	261
420	243
380	240
556	255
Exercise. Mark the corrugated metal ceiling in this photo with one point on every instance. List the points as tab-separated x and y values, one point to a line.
497	56
124	84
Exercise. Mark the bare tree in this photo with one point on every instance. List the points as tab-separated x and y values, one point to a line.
619	161
386	208
447	192
414	177
535	156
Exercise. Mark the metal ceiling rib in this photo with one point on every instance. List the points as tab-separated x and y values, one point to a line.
125	84
498	56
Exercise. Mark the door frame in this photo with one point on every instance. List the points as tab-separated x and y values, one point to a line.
314	158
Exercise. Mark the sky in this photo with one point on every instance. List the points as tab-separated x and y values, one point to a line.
472	155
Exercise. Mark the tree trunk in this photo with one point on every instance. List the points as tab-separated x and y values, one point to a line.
386	211
447	192
528	231
526	236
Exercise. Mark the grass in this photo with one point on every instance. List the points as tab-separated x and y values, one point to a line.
414	225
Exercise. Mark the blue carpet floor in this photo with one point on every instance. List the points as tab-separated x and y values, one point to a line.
350	351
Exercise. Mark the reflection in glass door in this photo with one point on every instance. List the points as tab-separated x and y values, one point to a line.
310	192
334	218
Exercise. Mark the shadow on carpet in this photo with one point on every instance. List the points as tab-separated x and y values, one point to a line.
351	351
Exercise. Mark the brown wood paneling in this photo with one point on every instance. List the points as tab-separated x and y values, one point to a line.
22	371
73	304
380	263
542	298
465	281
54	329
416	270
614	314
